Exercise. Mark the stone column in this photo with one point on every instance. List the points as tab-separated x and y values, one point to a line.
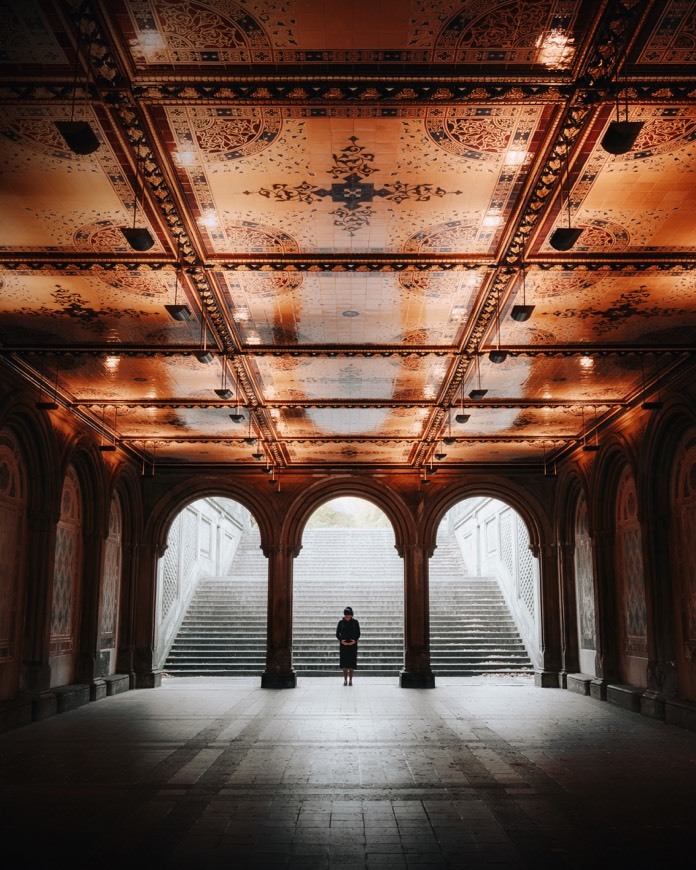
41	555
606	657
662	674
279	673
125	660
548	676
89	669
570	662
416	673
148	675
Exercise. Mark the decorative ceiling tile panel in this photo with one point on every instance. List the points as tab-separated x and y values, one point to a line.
348	308
291	379
574	307
56	201
444	181
70	307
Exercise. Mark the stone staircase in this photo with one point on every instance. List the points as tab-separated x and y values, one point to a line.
224	631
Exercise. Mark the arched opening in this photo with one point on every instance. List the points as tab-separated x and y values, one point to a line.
212	592
348	558
585	622
109	610
67	583
484	592
632	621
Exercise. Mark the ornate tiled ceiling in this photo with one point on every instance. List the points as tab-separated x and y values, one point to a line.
349	199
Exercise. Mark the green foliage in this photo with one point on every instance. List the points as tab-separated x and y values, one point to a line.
348	513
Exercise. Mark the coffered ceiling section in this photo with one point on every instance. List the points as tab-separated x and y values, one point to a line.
347	205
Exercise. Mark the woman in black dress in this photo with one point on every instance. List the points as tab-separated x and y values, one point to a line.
348	632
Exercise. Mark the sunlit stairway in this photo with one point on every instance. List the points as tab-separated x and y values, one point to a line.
224	631
356	567
471	629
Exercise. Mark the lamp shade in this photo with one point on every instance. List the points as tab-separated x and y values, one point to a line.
620	136
440	456
477	394
462	418
520	313
138	238
178	312
237	418
497	356
223	392
563	238
449	440
79	136
204	356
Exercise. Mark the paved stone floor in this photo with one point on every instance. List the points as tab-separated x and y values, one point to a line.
221	773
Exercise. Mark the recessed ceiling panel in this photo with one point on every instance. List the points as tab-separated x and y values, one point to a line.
642	202
56	201
567	378
445	179
351	378
355	422
184	35
418	308
595	307
155	378
340	452
80	307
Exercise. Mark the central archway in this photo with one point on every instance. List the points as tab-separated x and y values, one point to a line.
348	557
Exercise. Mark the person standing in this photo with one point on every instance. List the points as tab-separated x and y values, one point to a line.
348	632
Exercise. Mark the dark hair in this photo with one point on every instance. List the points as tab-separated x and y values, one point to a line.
347	611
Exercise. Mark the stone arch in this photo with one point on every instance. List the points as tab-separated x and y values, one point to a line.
621	577
173	501
531	507
82	454
521	500
604	477
38	445
382	496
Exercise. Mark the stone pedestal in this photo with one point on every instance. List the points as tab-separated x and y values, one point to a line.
598	689
411	680
547	679
652	704
579	683
278	680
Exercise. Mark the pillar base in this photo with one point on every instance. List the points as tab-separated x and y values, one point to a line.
287	680
652	704
148	680
547	679
420	680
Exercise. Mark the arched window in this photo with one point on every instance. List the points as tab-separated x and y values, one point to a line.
67	583
584	589
631	610
111	586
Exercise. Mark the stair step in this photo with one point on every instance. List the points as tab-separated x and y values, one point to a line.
224	631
